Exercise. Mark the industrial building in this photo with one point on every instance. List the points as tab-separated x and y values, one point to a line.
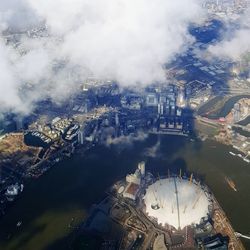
133	182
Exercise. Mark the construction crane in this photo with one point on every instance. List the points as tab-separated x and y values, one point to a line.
159	178
180	175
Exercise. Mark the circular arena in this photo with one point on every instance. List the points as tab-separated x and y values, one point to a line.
176	202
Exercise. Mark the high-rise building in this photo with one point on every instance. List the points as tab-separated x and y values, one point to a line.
160	109
151	100
141	167
80	137
181	98
117	123
19	123
236	112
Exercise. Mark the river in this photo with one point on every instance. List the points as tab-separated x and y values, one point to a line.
222	111
69	189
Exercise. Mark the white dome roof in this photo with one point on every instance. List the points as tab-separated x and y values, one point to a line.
180	202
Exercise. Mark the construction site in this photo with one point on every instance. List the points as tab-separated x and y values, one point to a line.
15	154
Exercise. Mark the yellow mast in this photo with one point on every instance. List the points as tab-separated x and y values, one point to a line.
191	178
159	178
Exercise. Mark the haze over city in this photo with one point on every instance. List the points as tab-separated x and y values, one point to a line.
125	124
129	42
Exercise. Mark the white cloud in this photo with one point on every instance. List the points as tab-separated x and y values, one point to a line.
17	14
128	41
8	87
124	142
154	150
236	42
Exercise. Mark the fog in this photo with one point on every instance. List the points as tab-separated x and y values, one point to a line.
121	40
235	43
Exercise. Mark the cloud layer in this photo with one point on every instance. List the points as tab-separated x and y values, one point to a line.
124	40
235	43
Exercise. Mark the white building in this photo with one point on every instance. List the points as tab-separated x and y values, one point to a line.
131	191
176	202
80	137
141	167
134	178
134	181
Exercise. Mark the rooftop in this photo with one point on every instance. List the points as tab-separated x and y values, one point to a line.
176	202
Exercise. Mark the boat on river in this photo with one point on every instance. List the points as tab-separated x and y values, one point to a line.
231	183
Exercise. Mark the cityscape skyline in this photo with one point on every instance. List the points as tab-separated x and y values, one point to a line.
92	89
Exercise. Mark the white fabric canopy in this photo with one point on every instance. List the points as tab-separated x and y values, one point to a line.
179	202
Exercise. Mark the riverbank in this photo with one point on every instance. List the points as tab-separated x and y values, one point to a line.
69	189
219	106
